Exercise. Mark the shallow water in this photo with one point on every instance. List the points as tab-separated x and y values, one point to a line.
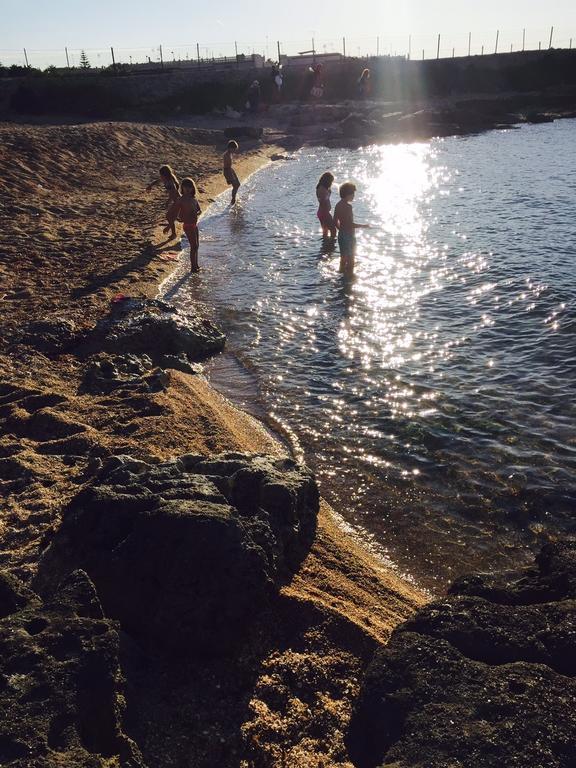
433	394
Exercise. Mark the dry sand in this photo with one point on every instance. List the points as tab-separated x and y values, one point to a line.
78	228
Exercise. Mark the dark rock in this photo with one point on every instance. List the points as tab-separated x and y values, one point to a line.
13	594
484	677
355	125
105	373
180	363
156	329
50	336
185	552
539	117
61	691
243	132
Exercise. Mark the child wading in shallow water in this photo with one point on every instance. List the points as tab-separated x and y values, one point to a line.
188	210
229	172
344	220
323	192
167	177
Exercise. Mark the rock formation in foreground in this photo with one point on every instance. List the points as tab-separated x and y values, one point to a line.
61	689
484	678
184	553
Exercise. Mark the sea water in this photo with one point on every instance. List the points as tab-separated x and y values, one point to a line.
434	393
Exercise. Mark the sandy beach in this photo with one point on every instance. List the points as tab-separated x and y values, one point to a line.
77	230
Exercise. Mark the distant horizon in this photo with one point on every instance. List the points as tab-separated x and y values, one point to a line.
137	29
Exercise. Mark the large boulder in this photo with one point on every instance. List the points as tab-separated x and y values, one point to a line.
185	552
484	677
155	328
61	693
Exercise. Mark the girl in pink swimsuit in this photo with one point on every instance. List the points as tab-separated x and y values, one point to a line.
323	191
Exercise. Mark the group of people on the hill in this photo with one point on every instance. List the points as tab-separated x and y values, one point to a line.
183	206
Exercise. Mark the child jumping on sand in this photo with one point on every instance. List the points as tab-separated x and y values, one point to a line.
187	210
167	177
229	172
344	220
323	192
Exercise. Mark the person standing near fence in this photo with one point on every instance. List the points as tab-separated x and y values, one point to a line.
364	84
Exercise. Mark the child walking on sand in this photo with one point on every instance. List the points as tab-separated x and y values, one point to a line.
229	172
344	220
323	192
188	210
167	177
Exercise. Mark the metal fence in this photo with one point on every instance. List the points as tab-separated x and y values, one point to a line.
417	46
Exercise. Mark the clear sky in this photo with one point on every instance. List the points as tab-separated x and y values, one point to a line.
45	25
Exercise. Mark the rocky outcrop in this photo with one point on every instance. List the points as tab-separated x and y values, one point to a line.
184	553
60	684
484	677
154	328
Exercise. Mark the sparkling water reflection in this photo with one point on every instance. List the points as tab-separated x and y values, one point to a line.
434	393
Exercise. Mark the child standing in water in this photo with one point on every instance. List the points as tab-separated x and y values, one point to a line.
188	210
323	192
229	172
167	177
344	220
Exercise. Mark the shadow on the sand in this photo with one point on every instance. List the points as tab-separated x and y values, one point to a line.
148	253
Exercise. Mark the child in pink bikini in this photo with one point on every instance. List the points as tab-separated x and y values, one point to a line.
323	192
188	210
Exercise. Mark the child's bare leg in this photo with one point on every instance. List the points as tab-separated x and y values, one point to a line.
194	258
235	188
194	244
170	227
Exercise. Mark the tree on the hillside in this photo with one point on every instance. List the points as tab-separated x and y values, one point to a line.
84	62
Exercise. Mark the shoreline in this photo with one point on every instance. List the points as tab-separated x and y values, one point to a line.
59	280
284	434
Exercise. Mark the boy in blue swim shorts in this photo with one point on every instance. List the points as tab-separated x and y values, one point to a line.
344	220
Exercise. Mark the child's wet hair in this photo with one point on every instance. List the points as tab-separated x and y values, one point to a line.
347	189
190	184
233	144
325	180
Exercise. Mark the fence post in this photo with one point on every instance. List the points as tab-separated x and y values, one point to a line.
26	57
523	39
469	42
313	52
67	59
113	59
570	43
438	49
551	33
236	52
409	47
453	50
496	46
422	54
198	52
278	46
344	46
161	58
482	54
